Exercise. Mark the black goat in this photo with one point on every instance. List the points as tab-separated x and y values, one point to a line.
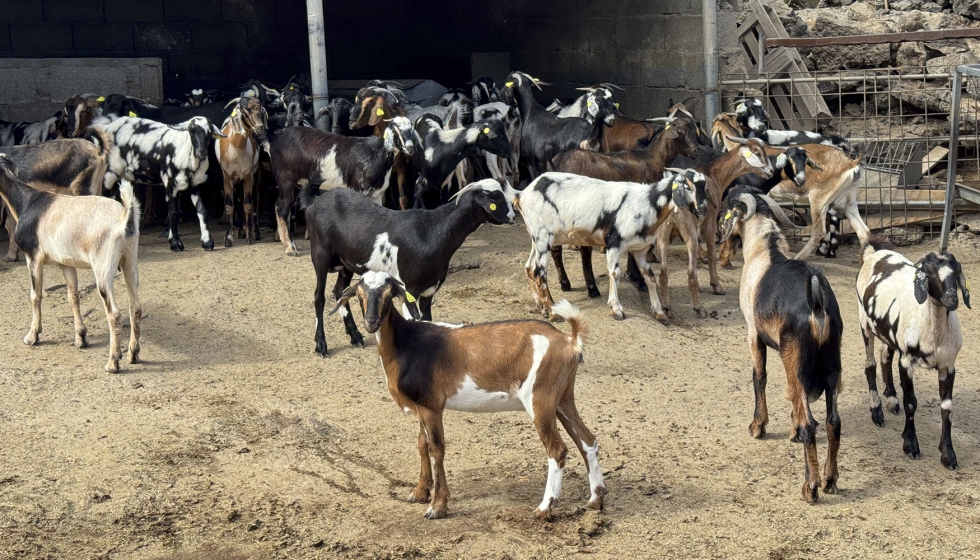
328	161
544	135
349	234
442	150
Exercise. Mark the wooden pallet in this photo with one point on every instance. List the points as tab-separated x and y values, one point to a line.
794	106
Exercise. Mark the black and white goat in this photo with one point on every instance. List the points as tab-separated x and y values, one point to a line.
330	161
78	232
754	122
561	208
585	105
490	367
484	91
443	150
503	167
789	307
349	234
544	135
175	155
911	309
22	133
118	105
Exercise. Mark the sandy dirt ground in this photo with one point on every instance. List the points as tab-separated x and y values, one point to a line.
234	440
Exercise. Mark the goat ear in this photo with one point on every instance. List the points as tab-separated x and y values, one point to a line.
350	292
377	112
964	285
781	161
813	164
216	132
920	285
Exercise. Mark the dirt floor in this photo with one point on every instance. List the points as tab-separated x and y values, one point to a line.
235	440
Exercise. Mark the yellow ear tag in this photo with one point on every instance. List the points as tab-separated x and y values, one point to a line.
486	130
386	134
100	99
667	127
509	84
234	112
493	207
728	215
132	114
409	297
740	107
674	186
589	103
380	112
747	154
617	105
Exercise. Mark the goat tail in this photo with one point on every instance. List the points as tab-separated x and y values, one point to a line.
819	321
580	327
132	206
101	138
306	196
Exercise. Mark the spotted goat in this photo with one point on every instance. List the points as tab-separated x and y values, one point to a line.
174	155
789	307
491	367
350	235
911	309
562	208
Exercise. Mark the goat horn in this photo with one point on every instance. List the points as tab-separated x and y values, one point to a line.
471	187
778	212
612	86
661	119
742	141
749	202
675	170
232	102
588	89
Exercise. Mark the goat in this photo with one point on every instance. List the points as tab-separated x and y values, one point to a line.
118	105
21	133
789	307
626	134
501	168
637	166
73	166
543	135
719	174
753	121
350	235
78	232
442	150
197	97
329	161
81	112
176	155
238	154
561	208
491	367
484	91
374	107
911	309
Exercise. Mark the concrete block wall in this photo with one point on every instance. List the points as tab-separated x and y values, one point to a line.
650	47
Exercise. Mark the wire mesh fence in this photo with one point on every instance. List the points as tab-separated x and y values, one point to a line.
897	120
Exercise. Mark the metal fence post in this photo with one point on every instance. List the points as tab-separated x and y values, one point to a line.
954	144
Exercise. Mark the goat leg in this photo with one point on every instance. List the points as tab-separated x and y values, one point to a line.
563	281
71	283
11	225
229	186
35	266
946	378
172	220
759	377
830	472
202	217
421	493
590	283
870	372
910	441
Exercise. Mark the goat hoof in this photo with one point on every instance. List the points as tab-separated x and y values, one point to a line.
728	266
794	436
544	514
700	312
565	286
357	341
112	366
809	493
176	245
419	496
31	339
662	317
436	512
717	290
134	357
911	449
81	339
208	245
321	350
10	258
618	315
829	486
593	292
948	459
228	242
596	502
893	405
877	416
758	431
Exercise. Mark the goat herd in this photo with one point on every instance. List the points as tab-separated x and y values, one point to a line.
597	179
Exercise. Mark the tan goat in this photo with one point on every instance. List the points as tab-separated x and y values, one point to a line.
238	155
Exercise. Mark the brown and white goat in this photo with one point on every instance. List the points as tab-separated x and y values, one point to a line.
78	232
238	155
74	166
491	367
375	107
790	307
719	174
